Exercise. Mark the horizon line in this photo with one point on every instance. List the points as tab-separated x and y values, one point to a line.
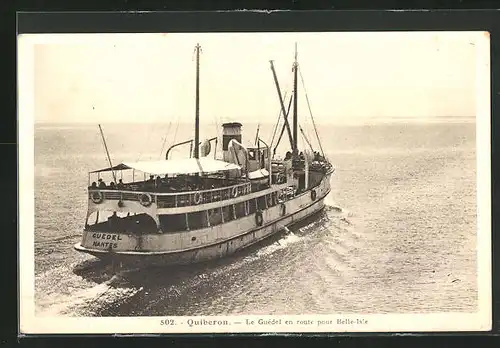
332	121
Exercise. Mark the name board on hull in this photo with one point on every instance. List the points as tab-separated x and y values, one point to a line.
105	240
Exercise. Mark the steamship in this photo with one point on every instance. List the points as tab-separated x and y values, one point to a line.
202	207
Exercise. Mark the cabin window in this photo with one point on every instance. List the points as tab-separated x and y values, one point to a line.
302	182
173	223
214	216
261	202
227	212
240	210
252	207
197	220
251	154
281	196
275	198
270	200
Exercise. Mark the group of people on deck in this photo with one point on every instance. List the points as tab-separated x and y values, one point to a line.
317	156
157	183
120	185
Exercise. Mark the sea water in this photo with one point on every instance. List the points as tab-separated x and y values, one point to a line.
398	233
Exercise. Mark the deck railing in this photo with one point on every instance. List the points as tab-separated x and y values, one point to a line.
175	199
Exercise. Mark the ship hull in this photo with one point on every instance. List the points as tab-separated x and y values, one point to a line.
213	251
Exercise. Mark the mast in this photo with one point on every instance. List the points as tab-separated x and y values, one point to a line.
285	115
257	134
107	153
197	118
283	129
295	68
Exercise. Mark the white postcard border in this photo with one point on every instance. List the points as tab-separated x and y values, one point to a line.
31	324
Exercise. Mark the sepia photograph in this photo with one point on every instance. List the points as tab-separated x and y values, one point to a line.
254	182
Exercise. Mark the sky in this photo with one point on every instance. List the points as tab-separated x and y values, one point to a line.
97	78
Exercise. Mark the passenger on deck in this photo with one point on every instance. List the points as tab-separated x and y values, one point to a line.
94	185
112	185
151	182
197	182
288	156
120	184
158	182
101	184
166	183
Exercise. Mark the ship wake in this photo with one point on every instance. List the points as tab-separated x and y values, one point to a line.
78	295
93	288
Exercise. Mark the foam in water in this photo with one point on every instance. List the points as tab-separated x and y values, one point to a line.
76	294
290	238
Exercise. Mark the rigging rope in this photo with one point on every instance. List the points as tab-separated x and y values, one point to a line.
279	116
277	122
216	119
307	130
165	139
106	158
147	143
284	126
176	128
310	112
217	125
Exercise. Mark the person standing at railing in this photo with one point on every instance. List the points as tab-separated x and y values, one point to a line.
150	184
101	183
120	184
158	182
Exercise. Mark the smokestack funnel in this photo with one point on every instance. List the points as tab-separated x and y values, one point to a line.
230	130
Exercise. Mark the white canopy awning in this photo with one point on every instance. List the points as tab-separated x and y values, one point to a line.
178	166
258	174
